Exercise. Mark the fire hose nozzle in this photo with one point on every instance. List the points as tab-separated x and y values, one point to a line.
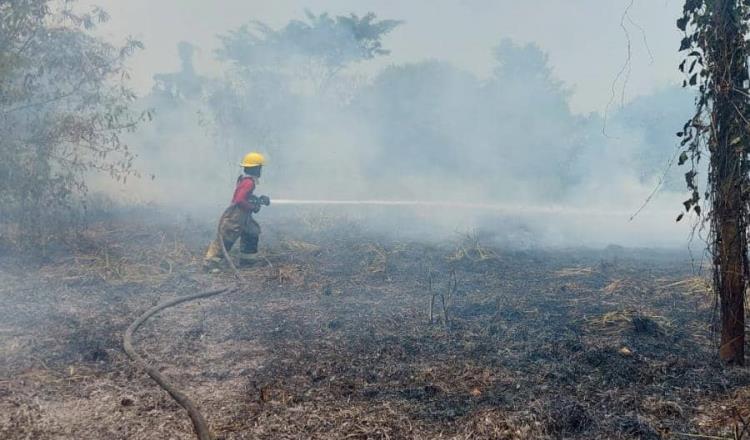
258	202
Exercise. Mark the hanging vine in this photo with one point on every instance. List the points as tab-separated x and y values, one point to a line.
716	64
698	26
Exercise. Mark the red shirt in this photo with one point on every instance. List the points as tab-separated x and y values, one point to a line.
245	187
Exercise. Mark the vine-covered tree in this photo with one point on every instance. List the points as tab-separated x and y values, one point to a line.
63	107
716	63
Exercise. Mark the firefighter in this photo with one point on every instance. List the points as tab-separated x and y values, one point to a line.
237	220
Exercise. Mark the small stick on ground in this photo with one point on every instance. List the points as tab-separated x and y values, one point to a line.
452	287
432	296
710	437
444	299
739	434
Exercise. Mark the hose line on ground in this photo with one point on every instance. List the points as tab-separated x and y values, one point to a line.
199	422
226	254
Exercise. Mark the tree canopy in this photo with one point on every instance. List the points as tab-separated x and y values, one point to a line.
333	41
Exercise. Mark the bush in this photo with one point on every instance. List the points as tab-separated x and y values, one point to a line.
63	107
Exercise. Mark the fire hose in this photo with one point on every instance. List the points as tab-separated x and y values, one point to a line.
200	425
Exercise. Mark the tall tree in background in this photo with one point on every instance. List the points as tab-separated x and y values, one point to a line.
274	73
716	63
316	48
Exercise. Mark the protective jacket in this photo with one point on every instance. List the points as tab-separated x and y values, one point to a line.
242	192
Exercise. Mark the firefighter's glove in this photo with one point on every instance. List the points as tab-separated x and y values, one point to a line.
259	202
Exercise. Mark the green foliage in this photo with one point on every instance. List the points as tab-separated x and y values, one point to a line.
335	41
324	45
715	39
63	107
698	135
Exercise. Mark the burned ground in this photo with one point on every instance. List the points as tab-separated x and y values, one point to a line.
329	337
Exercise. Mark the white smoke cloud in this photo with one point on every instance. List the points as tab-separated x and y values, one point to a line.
425	131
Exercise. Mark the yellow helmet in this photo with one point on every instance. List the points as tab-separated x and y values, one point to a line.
253	160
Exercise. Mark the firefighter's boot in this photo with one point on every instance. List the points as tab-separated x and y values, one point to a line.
248	249
247	260
212	265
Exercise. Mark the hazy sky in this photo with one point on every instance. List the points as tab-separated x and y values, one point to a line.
584	40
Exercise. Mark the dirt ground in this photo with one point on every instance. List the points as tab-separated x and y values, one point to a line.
329	337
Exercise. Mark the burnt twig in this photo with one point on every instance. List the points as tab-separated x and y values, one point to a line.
444	297
432	295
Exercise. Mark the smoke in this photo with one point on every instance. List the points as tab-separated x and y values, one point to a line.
424	131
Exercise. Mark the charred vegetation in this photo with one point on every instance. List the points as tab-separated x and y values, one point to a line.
332	339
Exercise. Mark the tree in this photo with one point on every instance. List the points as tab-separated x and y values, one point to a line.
318	48
63	107
420	113
182	85
716	63
527	109
644	120
277	76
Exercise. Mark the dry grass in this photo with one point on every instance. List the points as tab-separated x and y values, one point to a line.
620	286
621	321
378	258
291	245
290	275
105	257
331	341
574	271
691	286
471	248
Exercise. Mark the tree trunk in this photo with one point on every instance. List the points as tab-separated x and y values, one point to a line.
728	65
